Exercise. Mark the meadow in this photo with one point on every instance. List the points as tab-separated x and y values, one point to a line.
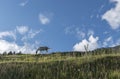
69	65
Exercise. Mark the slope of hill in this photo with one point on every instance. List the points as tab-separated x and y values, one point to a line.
116	48
61	66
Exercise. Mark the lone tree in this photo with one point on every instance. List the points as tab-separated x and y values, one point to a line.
44	48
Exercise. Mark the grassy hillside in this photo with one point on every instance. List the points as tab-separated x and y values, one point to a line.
60	66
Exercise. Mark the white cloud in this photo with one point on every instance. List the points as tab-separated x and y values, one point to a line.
22	29
27	33
117	42
108	41
28	48
31	34
6	46
24	33
72	30
44	19
79	33
7	34
112	16
24	3
91	42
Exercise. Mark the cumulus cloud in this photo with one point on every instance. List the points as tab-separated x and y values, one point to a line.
112	16
26	47
92	43
7	34
6	46
44	19
22	29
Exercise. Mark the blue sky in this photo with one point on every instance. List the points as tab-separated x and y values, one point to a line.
62	25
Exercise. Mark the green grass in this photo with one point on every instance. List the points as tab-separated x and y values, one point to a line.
58	66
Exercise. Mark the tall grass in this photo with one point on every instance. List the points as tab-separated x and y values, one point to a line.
60	66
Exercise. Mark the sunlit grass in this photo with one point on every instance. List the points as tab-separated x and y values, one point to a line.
57	66
115	74
51	58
